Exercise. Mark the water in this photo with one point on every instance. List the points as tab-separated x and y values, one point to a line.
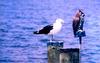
19	18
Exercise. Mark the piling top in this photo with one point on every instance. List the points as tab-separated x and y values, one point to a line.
55	43
69	50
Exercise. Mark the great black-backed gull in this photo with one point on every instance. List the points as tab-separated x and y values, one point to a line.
51	29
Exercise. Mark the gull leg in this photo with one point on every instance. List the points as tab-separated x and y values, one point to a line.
51	39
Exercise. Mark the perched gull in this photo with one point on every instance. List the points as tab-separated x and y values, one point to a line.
51	29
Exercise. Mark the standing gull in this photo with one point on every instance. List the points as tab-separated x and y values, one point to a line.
51	29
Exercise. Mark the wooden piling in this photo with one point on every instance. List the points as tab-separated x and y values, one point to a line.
69	55
53	51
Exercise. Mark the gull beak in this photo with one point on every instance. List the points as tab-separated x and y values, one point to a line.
62	22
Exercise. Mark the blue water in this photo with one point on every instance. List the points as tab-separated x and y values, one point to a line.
19	18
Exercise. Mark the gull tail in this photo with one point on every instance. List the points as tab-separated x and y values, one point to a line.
36	32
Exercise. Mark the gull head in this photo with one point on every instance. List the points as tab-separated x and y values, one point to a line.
59	20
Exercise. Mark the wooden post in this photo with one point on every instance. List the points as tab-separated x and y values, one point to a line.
69	55
53	51
80	40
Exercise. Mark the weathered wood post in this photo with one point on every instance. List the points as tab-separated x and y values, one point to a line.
53	51
69	55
